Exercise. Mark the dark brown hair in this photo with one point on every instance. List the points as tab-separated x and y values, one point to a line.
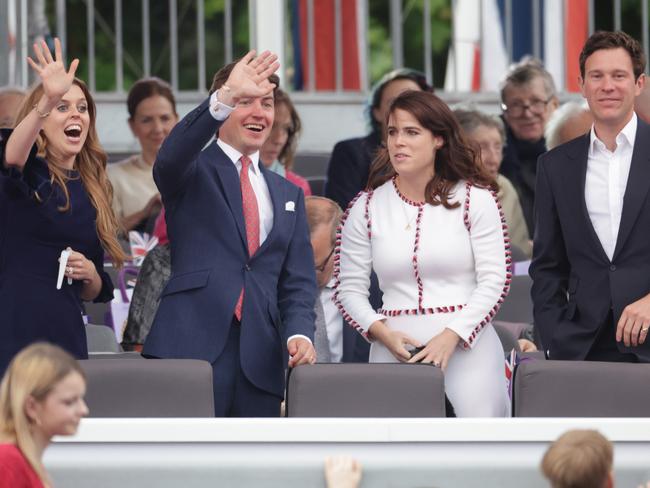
148	87
455	160
377	90
91	163
289	150
613	40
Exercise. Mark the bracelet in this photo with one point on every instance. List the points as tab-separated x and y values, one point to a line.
40	114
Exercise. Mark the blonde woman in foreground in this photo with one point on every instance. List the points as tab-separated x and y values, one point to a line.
41	395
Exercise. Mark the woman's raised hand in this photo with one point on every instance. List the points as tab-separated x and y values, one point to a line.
249	77
56	80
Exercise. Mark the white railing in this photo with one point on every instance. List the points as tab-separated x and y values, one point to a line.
266	20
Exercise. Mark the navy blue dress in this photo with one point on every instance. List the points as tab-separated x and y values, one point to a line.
33	232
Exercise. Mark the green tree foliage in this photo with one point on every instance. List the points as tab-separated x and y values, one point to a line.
159	35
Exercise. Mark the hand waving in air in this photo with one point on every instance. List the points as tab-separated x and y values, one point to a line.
249	78
56	80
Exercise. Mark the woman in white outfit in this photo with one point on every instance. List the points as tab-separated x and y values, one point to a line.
431	227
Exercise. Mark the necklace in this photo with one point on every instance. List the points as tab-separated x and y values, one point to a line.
406	216
405	202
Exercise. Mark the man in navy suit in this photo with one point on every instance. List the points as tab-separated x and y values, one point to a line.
591	253
242	288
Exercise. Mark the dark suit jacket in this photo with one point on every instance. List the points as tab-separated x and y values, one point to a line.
210	262
349	166
574	283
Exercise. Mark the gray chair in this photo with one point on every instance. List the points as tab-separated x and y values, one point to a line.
317	185
365	390
508	333
581	389
517	306
101	338
149	388
115	355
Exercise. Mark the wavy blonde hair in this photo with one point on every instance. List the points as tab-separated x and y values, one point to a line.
91	164
33	372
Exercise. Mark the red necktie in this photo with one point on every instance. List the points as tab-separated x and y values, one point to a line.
251	218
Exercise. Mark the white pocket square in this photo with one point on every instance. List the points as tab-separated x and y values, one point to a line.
290	206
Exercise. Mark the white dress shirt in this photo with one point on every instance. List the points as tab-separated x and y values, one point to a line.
261	189
333	321
605	183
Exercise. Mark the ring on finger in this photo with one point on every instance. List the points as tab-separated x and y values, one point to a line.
645	329
436	364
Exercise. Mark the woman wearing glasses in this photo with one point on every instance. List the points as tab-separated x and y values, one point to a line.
431	227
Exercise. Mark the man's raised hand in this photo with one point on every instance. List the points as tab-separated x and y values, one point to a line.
249	78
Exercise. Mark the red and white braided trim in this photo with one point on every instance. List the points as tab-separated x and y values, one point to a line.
421	310
508	261
337	257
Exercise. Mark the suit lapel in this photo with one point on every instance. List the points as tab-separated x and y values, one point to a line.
277	199
231	189
580	152
638	184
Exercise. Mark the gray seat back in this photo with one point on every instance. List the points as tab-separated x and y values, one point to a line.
517	306
149	388
581	389
101	338
366	390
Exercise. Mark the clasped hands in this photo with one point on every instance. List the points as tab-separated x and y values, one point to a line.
632	327
437	351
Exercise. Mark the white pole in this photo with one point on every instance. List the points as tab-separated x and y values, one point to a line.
268	30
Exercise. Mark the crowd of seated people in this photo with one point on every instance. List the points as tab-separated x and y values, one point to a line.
423	171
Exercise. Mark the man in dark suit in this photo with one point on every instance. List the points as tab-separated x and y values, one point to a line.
242	283
591	254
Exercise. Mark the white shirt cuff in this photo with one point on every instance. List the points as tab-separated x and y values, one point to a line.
296	336
218	110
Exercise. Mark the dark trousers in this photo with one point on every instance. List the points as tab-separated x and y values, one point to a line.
234	395
605	346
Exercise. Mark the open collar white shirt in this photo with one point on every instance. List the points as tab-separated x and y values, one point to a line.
605	183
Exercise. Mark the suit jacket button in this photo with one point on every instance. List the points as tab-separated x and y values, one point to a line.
247	267
612	268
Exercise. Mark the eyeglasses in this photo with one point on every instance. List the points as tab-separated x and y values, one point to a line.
517	109
321	268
